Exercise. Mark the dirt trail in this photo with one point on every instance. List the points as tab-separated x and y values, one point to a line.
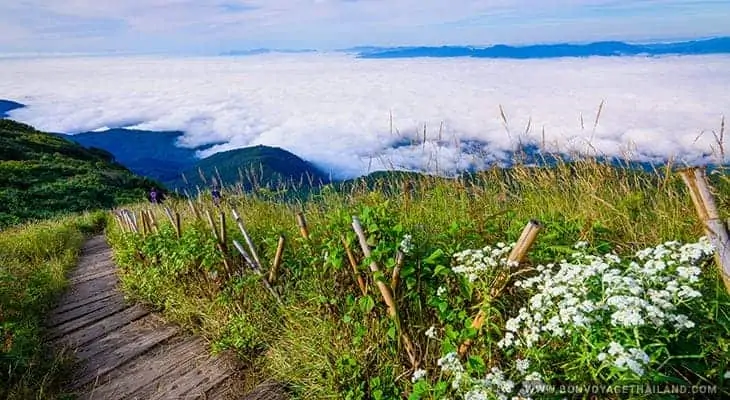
126	352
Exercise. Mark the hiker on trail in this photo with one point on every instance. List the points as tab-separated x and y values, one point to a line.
156	196
153	196
216	194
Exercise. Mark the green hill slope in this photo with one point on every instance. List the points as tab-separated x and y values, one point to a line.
258	166
43	175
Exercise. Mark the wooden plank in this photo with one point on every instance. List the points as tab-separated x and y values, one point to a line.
91	276
147	368
116	339
59	318
103	327
93	265
87	319
89	289
168	380
102	364
196	383
61	308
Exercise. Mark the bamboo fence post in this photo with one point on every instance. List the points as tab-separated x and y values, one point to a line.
354	264
153	221
128	218
224	232
516	256
277	259
221	246
170	218
386	293
302	223
715	229
257	270
143	221
193	209
399	260
246	237
120	223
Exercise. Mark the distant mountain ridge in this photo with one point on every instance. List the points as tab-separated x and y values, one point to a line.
606	49
6	106
152	154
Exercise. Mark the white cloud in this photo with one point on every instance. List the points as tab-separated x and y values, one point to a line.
334	110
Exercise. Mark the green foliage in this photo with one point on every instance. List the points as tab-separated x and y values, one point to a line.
329	340
44	175
33	263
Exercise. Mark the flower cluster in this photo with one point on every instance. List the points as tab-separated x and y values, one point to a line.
599	291
483	262
406	245
495	384
633	358
606	298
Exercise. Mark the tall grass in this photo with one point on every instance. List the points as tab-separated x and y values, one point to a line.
34	259
330	341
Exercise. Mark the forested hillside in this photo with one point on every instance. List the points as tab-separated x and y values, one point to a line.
43	175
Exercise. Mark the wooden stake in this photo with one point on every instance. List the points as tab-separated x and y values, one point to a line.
170	218
144	223
153	221
277	259
221	246
714	227
193	209
247	238
386	293
224	232
399	259
302	223
256	270
517	255
354	264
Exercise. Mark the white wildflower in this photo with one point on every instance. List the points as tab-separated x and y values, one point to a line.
418	374
522	365
406	245
431	332
441	291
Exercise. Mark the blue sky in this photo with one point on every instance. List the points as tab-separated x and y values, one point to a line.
212	26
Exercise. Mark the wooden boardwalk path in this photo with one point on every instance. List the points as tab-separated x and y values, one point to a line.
126	352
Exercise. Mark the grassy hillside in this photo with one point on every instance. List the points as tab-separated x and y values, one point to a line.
42	175
621	300
252	167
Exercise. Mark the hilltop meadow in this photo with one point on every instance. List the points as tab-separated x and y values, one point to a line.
619	287
395	285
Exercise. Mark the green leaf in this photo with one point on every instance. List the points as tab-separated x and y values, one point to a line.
366	304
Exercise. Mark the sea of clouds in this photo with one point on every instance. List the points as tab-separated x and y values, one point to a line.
335	110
